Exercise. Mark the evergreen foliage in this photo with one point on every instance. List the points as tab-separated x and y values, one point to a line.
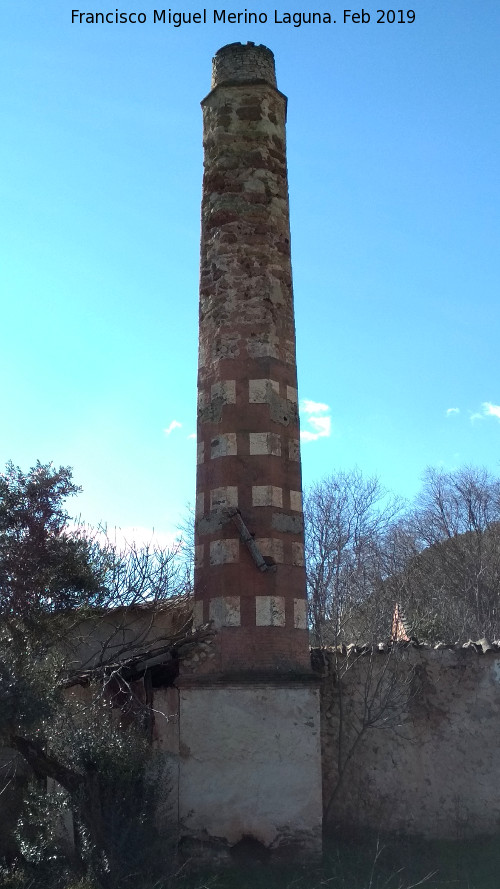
87	807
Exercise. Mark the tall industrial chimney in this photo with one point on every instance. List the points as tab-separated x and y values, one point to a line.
249	575
249	736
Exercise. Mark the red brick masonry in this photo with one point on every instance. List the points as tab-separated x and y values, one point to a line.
248	427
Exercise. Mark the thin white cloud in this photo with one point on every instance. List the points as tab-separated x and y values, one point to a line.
321	425
318	426
124	539
139	536
193	435
313	407
452	410
491	410
173	425
305	435
488	409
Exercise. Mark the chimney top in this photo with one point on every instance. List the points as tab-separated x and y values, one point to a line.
243	63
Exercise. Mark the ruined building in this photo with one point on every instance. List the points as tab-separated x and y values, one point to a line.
249	718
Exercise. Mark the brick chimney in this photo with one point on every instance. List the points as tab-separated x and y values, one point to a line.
249	758
249	570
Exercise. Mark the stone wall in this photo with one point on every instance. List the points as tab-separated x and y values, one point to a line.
430	762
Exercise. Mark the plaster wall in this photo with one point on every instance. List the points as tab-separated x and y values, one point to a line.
431	765
249	764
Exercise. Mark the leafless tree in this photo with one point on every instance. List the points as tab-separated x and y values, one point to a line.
186	551
439	557
443	557
347	519
372	686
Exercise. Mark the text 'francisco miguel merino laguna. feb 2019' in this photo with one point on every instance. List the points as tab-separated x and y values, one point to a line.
229	17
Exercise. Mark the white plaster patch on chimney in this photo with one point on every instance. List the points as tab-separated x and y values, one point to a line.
298	554
288	352
221	497
258	390
225	389
224	445
276	292
296	501
254	182
267	495
266	346
200	452
300	614
202	355
224	551
265	443
294	449
200	505
199	553
292	394
272	547
225	611
225	345
270	611
198	614
202	398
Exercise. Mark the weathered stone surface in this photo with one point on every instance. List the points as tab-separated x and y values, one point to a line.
267	495
223	445
291	524
224	551
224	611
271	547
298	553
224	389
238	62
212	523
211	412
197	614
259	390
300	613
294	449
223	497
283	411
200	504
270	611
248	415
265	443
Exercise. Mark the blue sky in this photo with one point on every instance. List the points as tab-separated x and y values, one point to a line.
393	135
